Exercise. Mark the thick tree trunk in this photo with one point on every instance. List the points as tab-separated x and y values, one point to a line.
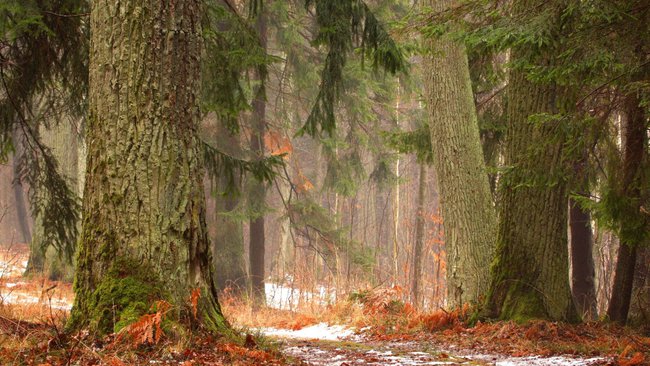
419	236
143	235
258	193
530	274
465	198
634	145
583	270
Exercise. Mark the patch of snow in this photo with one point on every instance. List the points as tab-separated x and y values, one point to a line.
549	361
321	331
499	360
12	267
22	298
288	297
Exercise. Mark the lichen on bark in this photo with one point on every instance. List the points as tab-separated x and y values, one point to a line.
143	233
465	197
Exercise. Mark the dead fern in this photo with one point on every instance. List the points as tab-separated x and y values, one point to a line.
194	300
146	330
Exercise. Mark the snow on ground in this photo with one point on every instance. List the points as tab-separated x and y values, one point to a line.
17	297
310	345
345	357
288	297
307	343
376	354
320	331
504	360
549	361
12	267
14	291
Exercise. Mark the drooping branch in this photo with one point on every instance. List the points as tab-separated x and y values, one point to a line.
344	25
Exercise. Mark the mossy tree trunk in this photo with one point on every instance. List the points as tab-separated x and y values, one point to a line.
143	234
465	198
530	273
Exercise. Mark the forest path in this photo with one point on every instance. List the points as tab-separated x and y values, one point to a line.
323	345
349	353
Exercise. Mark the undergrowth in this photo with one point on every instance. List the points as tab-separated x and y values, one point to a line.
32	332
381	315
143	342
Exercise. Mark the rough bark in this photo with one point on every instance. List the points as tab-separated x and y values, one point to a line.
583	272
530	273
258	191
634	146
418	246
465	198
143	234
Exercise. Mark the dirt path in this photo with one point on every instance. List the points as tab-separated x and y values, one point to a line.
347	353
339	347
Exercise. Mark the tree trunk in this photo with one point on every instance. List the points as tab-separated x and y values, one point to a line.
143	234
286	252
634	145
530	274
22	213
465	198
258	192
43	258
582	261
419	236
228	244
640	304
224	230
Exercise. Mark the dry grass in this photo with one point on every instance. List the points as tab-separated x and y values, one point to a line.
385	318
33	313
36	299
31	331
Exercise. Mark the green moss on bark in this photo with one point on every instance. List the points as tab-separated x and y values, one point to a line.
123	295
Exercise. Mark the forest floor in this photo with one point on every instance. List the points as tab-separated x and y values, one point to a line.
374	328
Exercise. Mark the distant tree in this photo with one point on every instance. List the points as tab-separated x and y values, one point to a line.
633	228
62	140
257	193
43	77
